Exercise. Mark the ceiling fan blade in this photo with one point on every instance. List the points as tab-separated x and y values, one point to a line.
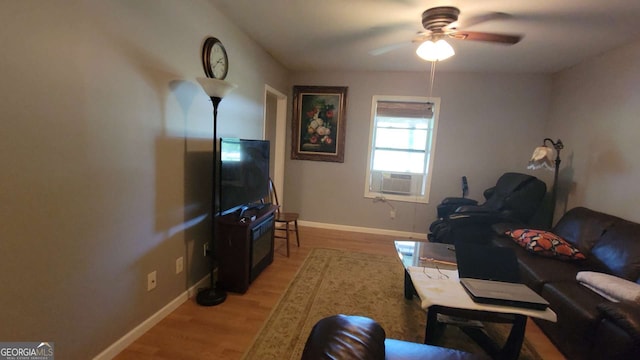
478	19
388	48
423	36
482	36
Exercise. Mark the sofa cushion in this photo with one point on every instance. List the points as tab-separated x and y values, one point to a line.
536	270
546	244
578	316
619	250
576	303
582	227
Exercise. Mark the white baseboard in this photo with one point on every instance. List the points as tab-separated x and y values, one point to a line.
133	335
399	234
115	348
203	283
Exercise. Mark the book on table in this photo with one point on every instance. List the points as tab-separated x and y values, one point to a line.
503	293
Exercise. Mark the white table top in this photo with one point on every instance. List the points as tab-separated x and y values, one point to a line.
434	288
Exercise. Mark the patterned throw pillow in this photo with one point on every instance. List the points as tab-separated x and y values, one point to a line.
546	244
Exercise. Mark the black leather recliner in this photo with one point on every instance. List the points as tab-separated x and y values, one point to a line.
515	198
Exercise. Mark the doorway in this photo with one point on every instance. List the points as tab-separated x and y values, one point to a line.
275	123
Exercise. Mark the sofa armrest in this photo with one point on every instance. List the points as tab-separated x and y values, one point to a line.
625	314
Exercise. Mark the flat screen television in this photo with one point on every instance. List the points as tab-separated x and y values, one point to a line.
244	173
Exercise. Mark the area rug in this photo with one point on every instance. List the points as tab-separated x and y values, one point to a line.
343	282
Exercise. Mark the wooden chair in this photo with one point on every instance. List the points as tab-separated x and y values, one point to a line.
286	218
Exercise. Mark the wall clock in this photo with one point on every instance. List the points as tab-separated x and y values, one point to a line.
214	59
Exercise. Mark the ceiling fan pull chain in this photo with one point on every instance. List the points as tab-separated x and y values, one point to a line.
432	76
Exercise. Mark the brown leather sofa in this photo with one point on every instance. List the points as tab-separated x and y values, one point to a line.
349	337
589	326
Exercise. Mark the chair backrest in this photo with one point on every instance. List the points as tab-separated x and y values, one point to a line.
273	195
515	194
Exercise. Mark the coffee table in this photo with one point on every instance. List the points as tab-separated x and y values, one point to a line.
430	273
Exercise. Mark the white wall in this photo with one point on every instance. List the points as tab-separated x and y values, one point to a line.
105	149
595	109
489	124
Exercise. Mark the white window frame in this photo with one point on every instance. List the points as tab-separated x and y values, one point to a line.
430	152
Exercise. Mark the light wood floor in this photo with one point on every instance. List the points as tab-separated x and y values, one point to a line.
227	330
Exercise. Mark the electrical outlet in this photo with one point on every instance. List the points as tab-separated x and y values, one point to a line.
179	264
151	280
206	249
392	214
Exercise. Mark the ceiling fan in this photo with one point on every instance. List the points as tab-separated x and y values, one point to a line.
442	22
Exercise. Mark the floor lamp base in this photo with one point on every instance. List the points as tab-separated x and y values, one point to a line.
211	297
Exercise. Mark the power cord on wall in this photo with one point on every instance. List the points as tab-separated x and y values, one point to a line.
392	213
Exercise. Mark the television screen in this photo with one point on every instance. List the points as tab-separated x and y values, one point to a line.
244	173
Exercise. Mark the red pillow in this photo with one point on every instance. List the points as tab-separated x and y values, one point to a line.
546	244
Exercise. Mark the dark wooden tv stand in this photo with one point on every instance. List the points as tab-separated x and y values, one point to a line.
245	247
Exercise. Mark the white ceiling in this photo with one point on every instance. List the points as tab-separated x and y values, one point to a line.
340	34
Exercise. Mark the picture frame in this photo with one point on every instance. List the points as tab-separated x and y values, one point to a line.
319	123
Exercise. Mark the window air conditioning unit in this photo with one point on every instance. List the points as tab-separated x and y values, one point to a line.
396	184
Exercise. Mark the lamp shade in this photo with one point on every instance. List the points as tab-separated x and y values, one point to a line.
541	158
216	88
435	51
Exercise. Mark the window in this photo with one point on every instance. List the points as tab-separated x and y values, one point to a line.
401	146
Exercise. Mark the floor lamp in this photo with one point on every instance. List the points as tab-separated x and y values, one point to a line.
542	158
216	89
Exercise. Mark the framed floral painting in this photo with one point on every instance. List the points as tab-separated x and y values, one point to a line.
319	121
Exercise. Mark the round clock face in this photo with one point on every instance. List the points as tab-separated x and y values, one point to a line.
219	61
214	58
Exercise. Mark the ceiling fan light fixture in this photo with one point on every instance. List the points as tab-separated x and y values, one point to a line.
435	51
